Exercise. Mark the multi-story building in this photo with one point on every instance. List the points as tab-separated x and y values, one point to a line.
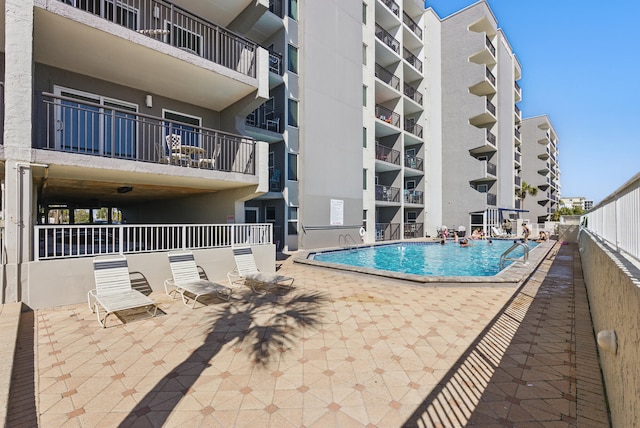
540	168
480	139
576	202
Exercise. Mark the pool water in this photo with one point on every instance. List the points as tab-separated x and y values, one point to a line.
426	258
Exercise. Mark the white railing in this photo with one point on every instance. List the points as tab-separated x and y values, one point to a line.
615	219
64	241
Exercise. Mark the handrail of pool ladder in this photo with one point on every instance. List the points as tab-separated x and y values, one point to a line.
343	241
524	259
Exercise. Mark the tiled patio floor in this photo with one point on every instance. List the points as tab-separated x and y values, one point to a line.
341	349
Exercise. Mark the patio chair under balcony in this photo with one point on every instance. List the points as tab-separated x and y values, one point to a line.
113	290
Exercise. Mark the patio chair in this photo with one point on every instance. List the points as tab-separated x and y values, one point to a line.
113	290
186	279
498	233
176	155
246	271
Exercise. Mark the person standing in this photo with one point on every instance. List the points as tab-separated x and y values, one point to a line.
506	226
525	232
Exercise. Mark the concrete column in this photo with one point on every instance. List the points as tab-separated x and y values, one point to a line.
18	126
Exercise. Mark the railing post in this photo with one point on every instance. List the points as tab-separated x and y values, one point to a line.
184	237
36	243
121	239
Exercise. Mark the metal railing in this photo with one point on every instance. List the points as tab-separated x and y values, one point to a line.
387	77
413	197
615	219
412	59
65	124
489	44
413	162
275	7
175	26
275	63
387	39
413	25
387	193
517	180
387	115
516	86
491	168
524	259
492	199
387	231
414	128
491	137
517	132
387	154
491	107
517	156
66	241
413	230
517	111
393	6
490	76
413	93
265	118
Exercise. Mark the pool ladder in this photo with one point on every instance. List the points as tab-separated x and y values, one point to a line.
343	242
524	259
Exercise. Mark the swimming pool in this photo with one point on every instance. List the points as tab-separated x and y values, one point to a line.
426	258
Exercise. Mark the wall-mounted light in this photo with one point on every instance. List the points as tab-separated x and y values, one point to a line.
148	101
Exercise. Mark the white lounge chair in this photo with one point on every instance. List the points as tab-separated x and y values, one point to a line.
186	279
498	233
113	290
247	271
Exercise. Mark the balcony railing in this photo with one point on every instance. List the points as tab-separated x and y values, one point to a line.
413	197
518	180
387	115
173	25
517	157
413	26
387	77
414	128
517	110
517	204
68	125
275	63
491	168
413	93
387	193
490	76
491	138
393	7
413	230
517	132
490	46
517	87
1	113
387	39
412	59
491	107
64	241
265	118
413	162
492	199
386	154
387	231
275	7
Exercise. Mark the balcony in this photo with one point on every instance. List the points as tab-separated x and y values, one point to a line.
411	126
489	45
518	114
387	77
486	84
387	231
517	91
517	134
265	118
488	116
486	172
517	156
413	197
275	7
491	138
412	59
413	93
413	162
275	63
492	199
413	230
385	154
387	39
517	180
170	24
387	194
413	26
393	7
484	50
388	116
66	125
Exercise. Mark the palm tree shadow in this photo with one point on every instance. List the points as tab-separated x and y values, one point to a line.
266	324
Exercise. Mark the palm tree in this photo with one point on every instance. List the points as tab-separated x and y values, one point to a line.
523	191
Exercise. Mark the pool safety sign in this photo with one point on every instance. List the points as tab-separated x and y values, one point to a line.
337	212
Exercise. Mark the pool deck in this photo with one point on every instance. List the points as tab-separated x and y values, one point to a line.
340	349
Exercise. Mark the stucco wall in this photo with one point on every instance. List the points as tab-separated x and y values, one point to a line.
67	281
568	233
613	288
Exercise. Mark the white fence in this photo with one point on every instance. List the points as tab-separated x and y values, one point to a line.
64	241
616	219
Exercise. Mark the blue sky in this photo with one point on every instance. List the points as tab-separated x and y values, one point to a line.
580	66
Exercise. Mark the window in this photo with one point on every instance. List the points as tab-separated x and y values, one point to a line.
188	128
412	216
482	188
364	54
292	57
293	9
364	179
364	95
292	173
293	221
364	13
270	214
364	137
292	119
410	185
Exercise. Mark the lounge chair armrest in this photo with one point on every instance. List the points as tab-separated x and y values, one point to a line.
90	294
234	278
167	284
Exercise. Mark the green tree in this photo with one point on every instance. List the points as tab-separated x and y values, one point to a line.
525	190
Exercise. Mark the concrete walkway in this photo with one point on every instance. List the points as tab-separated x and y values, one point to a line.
341	349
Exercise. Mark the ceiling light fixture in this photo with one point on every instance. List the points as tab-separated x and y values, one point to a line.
124	189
